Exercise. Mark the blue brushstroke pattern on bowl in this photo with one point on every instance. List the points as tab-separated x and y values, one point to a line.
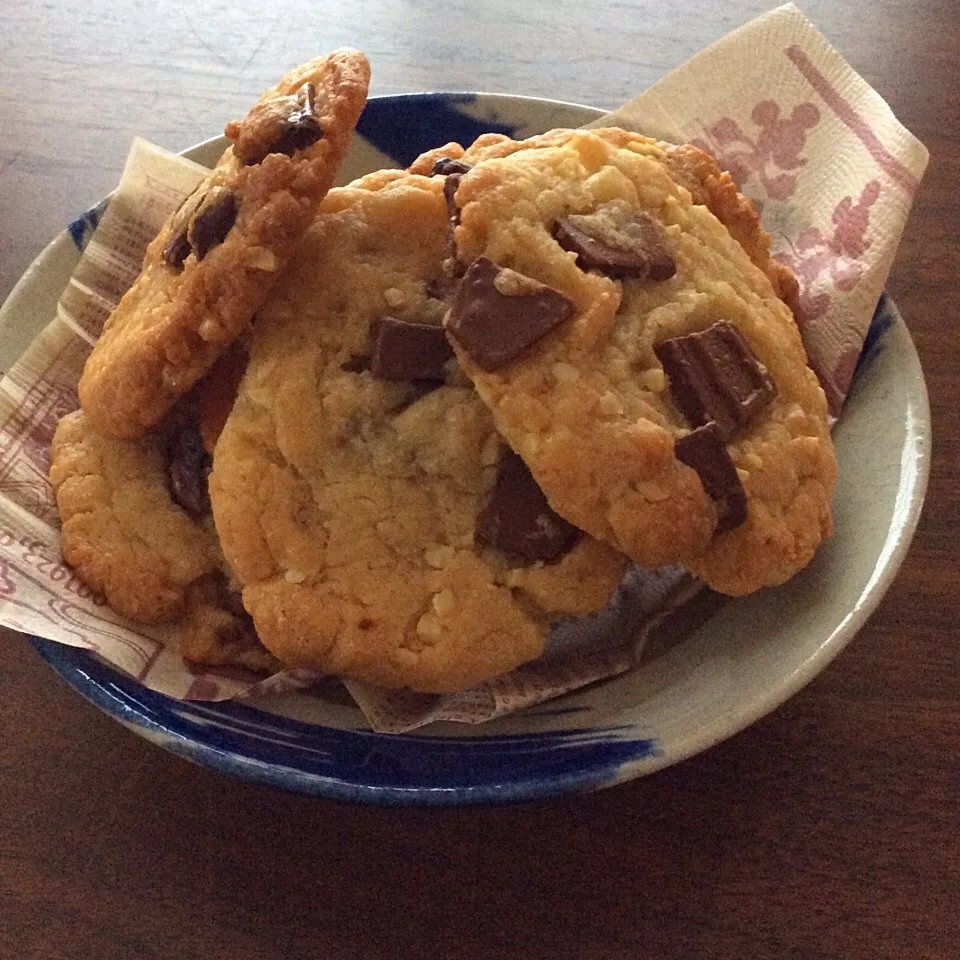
356	765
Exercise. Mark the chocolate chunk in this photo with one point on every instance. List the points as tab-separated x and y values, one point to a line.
714	375
619	246
450	191
178	248
704	450
453	171
188	467
408	351
302	128
213	222
298	130
452	265
498	313
519	521
447	165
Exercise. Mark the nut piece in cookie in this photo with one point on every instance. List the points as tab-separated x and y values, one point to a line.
122	530
216	258
672	414
359	484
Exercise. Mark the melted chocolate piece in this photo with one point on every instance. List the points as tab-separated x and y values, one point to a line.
188	467
408	351
519	521
449	191
453	171
704	450
301	129
714	376
450	184
447	165
297	131
178	247
213	222
498	314
635	246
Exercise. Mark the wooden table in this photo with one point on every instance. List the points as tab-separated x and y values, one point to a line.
828	829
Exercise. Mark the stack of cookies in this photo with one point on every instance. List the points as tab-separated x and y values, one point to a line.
396	430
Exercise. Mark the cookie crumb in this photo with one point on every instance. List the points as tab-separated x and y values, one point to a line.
438	557
262	259
654	380
610	405
394	297
444	602
513	284
565	373
428	627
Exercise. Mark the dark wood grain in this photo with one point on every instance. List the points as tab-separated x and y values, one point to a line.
828	829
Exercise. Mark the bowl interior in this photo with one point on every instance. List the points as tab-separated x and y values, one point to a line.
748	657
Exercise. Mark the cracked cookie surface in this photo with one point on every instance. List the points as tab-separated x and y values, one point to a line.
215	258
346	502
590	407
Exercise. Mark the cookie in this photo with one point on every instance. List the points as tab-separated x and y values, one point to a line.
689	166
378	524
217	256
136	527
216	631
121	529
636	353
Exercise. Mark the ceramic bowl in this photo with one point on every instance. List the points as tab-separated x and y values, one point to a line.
746	659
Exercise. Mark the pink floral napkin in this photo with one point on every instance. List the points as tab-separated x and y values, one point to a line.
819	152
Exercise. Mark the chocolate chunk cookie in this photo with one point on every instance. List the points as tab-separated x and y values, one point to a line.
136	526
689	166
380	527
669	411
122	530
217	256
